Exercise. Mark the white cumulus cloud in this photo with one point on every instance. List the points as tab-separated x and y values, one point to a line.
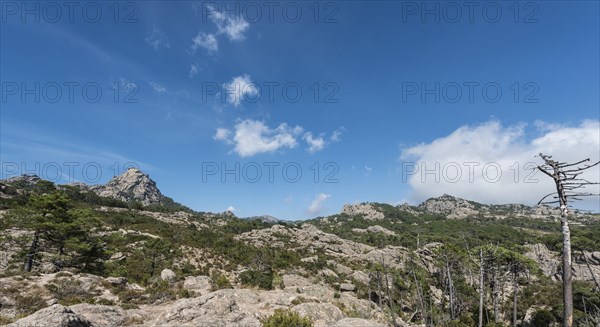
314	143
239	88
223	134
253	137
491	163
317	204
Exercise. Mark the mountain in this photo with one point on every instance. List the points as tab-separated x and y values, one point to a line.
125	264
132	185
264	219
451	207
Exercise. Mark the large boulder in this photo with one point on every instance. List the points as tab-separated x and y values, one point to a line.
200	284
168	275
292	280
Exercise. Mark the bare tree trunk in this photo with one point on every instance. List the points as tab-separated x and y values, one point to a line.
495	295
587	323
369	291
379	288
567	274
33	249
450	291
420	298
480	288
387	286
515	291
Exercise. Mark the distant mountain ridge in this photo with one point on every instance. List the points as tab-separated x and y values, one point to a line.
134	185
453	208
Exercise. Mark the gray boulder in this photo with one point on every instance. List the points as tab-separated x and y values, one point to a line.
168	275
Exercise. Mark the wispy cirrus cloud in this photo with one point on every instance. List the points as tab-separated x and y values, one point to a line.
233	26
205	41
157	87
157	39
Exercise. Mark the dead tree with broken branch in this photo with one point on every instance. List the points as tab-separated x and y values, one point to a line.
569	187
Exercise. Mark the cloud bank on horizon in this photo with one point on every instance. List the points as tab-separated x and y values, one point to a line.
496	164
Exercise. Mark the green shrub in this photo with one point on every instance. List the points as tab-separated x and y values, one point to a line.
542	318
69	292
253	277
219	281
286	318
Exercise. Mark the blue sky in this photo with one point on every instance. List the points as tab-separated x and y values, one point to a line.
190	86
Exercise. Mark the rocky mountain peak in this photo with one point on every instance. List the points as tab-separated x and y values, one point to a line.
27	179
367	210
447	204
132	185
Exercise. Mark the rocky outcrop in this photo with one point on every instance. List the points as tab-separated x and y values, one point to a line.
448	205
367	210
550	263
376	229
55	316
226	307
24	180
132	185
306	236
108	315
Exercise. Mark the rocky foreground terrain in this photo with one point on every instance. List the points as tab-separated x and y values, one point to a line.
123	254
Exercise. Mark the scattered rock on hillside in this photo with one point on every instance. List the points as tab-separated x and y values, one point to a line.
168	275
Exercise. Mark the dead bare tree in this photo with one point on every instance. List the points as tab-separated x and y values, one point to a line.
481	289
568	184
